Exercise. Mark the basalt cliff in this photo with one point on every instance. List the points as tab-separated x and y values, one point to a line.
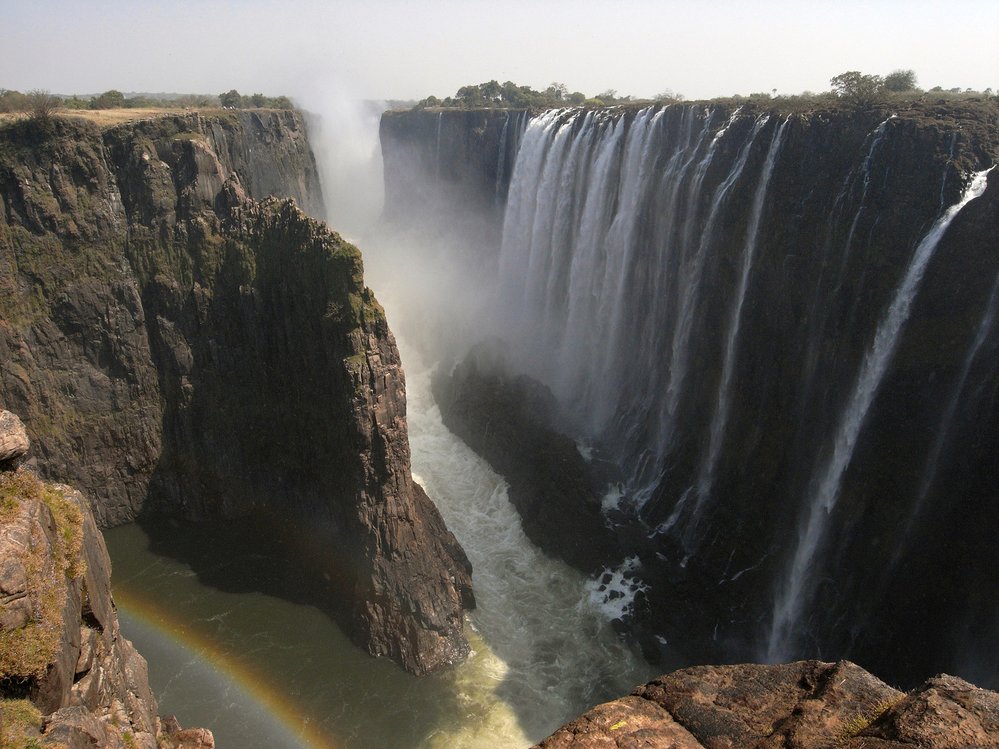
778	324
181	343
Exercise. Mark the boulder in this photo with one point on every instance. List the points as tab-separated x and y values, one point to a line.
802	705
13	440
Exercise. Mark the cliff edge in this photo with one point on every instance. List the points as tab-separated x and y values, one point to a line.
178	346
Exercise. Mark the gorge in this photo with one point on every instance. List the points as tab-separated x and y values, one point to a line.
753	351
153	319
779	327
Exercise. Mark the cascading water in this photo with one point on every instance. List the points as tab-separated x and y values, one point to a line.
794	597
575	252
706	478
697	287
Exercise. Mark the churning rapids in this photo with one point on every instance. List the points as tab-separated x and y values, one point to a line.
265	672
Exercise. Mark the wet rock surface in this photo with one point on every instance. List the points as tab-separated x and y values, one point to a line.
511	421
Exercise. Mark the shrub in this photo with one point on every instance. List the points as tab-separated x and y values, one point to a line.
900	80
42	105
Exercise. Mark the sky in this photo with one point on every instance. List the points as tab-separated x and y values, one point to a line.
410	49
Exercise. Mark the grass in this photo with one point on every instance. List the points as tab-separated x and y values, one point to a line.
106	118
25	653
861	722
20	724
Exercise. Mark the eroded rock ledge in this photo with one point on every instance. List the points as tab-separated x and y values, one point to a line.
804	705
67	676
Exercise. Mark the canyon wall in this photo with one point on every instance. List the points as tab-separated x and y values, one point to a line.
780	325
176	345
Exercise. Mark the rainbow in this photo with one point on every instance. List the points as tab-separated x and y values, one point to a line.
256	683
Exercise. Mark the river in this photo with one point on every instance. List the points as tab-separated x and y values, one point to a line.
264	671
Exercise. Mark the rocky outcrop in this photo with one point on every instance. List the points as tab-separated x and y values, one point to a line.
513	422
67	676
176	346
806	705
13	440
79	208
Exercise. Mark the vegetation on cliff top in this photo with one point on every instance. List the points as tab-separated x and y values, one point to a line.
851	88
15	101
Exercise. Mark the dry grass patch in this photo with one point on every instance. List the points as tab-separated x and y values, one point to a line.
111	117
20	724
25	653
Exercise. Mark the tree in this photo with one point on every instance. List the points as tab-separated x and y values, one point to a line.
491	90
13	101
231	99
857	88
42	105
900	80
557	92
108	100
669	96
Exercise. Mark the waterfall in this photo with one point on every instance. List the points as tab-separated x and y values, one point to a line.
875	137
796	592
501	161
720	418
606	213
689	284
947	416
437	149
715	296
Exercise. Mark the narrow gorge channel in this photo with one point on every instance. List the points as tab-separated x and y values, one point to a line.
266	672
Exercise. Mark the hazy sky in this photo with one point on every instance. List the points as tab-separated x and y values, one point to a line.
410	49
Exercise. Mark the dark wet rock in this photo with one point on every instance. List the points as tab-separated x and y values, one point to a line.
511	421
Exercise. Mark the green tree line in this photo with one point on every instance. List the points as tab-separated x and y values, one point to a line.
16	101
852	88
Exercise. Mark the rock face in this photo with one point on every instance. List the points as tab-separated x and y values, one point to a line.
752	312
512	421
13	439
447	174
60	644
176	346
806	705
